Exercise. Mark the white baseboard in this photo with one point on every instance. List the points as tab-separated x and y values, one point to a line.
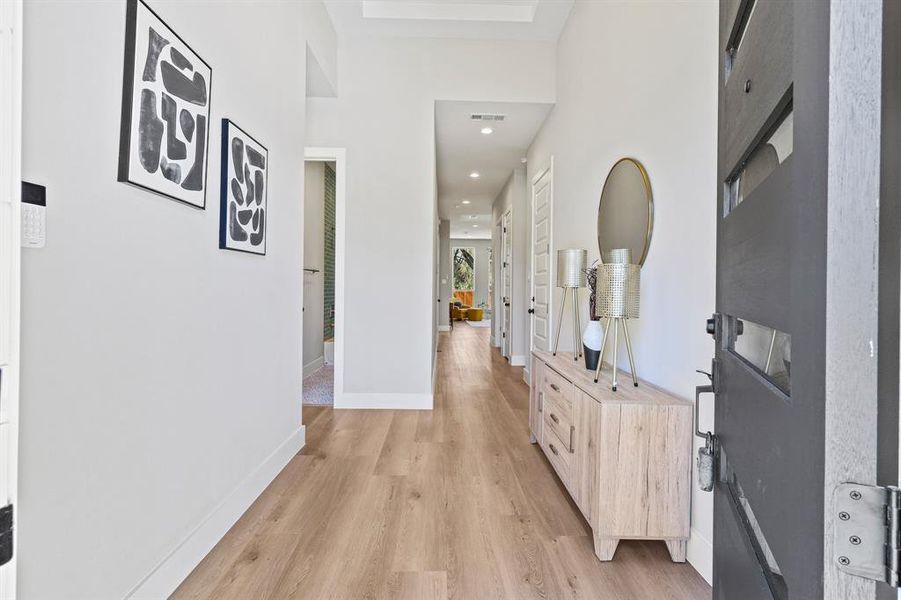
313	366
178	564
700	555
384	401
444	328
527	376
518	360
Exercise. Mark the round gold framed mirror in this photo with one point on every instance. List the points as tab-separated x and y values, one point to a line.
626	210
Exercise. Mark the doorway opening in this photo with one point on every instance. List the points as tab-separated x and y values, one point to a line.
471	261
323	262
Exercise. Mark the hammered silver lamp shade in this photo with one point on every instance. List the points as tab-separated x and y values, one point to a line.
617	256
618	291
571	268
617	300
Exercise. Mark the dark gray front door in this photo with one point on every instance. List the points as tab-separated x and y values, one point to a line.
806	368
771	239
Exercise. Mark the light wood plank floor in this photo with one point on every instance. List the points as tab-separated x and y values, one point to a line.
450	503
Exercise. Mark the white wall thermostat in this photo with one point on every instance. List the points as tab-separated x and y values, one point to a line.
34	221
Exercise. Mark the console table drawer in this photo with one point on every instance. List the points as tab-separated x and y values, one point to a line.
557	387
559	457
558	418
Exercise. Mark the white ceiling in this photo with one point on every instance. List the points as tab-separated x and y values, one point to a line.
468	19
462	149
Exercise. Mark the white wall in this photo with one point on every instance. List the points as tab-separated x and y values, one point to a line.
322	49
160	375
481	249
384	117
514	196
639	79
313	257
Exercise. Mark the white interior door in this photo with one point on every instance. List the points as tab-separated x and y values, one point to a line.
497	312
542	189
507	271
10	192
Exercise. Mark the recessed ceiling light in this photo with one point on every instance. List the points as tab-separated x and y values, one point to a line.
474	174
467	201
487	131
475	225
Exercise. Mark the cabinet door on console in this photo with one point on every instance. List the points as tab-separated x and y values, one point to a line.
586	429
644	470
536	400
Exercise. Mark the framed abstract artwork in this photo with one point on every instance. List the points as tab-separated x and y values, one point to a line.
243	191
164	135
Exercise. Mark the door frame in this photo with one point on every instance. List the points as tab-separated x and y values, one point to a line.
10	236
339	157
507	240
862	345
549	170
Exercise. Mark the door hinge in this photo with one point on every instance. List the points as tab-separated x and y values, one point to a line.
504	334
867	531
6	534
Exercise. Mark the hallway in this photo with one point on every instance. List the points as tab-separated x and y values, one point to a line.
450	503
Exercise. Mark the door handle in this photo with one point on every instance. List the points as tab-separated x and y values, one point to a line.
540	401
702	389
531	311
572	432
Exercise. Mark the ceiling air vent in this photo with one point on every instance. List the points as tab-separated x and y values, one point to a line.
487	117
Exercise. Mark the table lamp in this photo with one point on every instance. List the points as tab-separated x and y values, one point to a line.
617	300
571	265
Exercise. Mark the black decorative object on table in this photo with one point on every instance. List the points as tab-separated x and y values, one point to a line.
592	277
591	357
592	329
243	191
164	134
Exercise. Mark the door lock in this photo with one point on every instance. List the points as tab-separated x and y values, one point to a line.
707	453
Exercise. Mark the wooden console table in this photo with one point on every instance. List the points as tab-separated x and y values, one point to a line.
624	456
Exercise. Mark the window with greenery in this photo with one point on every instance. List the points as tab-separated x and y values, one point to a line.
464	269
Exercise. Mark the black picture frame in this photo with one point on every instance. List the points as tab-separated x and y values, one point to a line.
226	192
129	88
